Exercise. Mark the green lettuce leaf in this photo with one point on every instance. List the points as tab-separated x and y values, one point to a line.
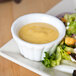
72	27
70	17
55	58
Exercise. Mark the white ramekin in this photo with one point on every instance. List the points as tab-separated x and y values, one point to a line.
36	51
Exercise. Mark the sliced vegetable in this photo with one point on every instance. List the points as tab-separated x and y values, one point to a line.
69	49
46	61
62	42
69	41
72	27
65	56
69	52
63	19
55	58
66	50
58	55
68	33
70	17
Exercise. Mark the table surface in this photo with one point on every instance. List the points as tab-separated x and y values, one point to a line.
9	11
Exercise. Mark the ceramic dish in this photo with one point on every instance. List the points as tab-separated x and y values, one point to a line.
36	51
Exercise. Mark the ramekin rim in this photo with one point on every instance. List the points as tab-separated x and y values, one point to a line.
25	42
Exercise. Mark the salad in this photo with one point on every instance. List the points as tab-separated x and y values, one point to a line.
66	51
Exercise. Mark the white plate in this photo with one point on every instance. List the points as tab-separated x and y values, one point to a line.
11	51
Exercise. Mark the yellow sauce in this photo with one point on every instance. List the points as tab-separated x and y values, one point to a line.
38	33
